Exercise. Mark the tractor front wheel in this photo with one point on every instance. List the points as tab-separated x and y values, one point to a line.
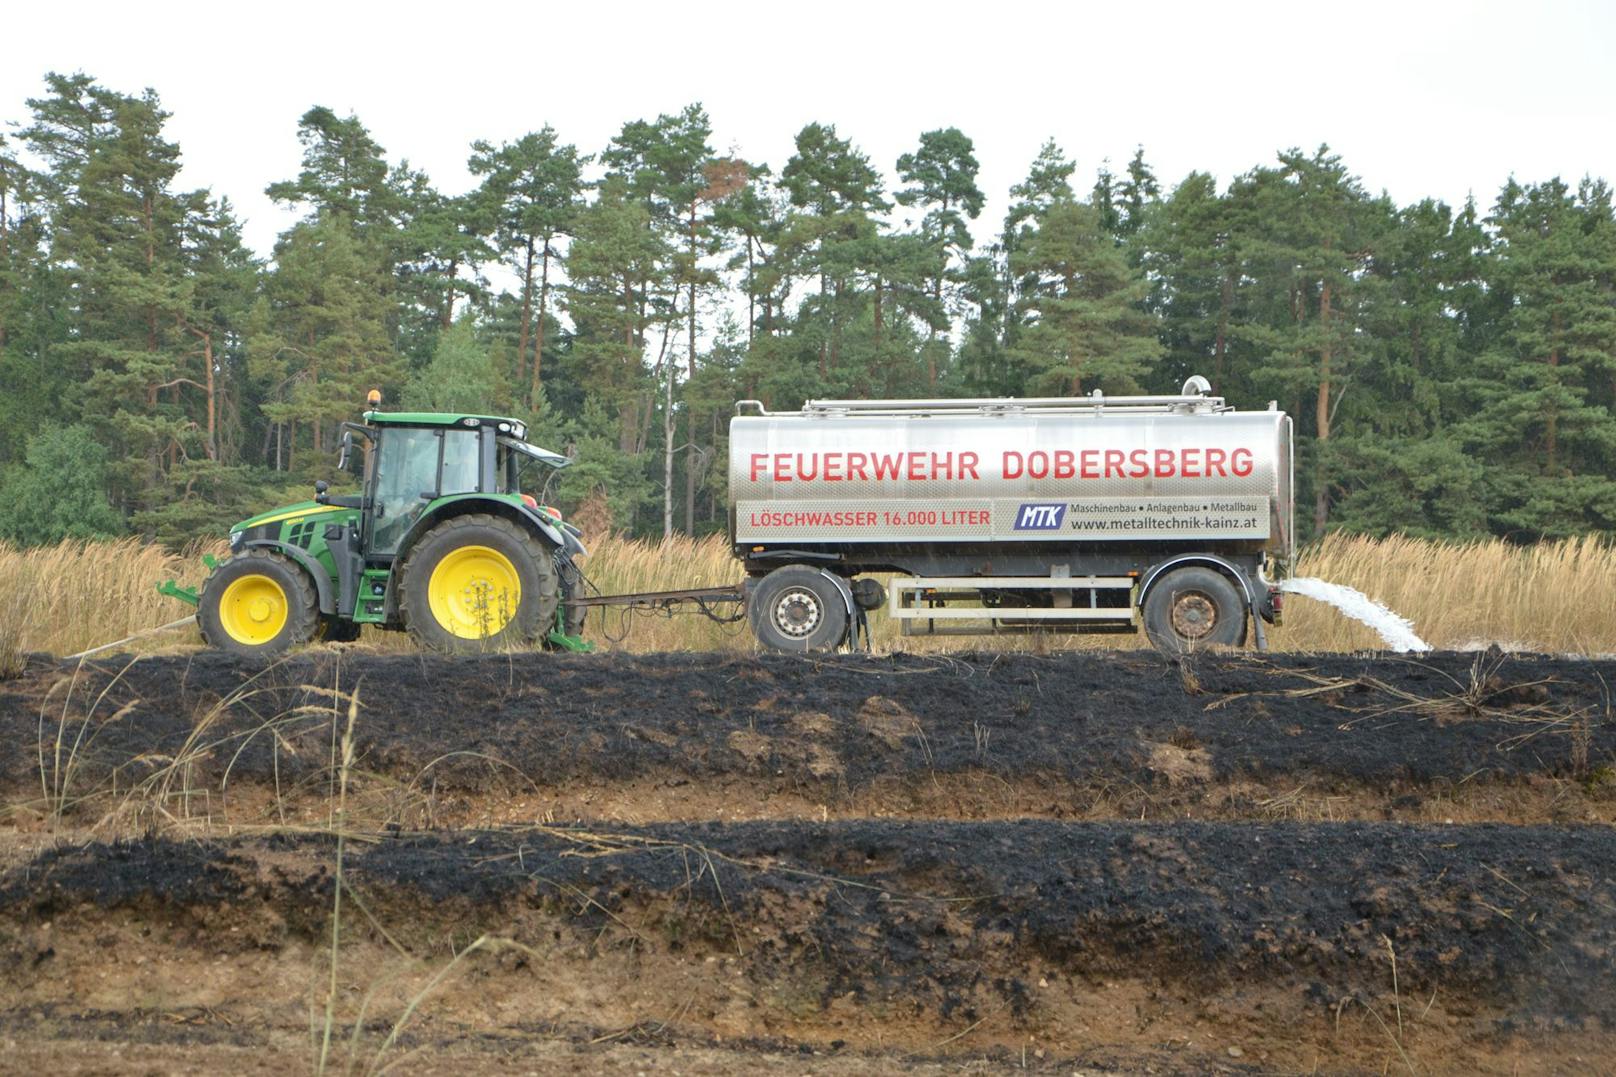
479	582
257	604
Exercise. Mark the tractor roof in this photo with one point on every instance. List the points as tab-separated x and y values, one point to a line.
439	418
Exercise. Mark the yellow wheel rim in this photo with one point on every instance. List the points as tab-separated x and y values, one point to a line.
474	592
253	610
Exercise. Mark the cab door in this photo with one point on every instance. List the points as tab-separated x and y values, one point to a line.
413	467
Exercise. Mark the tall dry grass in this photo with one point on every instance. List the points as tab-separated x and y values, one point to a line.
1556	596
66	598
1553	596
620	566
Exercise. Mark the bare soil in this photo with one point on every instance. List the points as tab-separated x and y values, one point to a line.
1085	862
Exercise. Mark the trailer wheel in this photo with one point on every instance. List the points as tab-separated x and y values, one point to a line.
1191	609
797	609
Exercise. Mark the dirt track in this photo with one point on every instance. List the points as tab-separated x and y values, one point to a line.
1021	912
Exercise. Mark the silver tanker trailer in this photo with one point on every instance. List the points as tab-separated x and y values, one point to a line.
1085	514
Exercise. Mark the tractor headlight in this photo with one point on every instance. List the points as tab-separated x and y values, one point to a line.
236	539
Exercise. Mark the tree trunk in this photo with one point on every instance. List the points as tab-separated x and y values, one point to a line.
527	311
691	456
538	343
751	295
314	380
5	254
446	319
836	330
667	450
878	322
1551	432
213	415
691	358
1321	494
1220	346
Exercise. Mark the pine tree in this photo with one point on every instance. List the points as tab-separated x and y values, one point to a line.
320	340
460	377
1190	255
1542	396
941	175
31	292
1085	325
836	193
324	335
532	191
1307	233
118	237
344	174
620	270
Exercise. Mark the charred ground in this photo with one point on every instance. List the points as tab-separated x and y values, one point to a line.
977	735
1102	860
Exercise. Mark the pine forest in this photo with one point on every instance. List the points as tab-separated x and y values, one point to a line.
1451	369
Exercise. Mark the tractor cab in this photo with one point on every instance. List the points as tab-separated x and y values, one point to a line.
442	540
412	460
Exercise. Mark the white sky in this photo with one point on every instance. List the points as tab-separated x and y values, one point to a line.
1420	99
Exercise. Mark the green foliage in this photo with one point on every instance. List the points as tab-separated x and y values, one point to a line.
1084	306
460	377
60	491
1451	370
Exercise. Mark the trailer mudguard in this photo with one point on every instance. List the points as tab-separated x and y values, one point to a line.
1210	560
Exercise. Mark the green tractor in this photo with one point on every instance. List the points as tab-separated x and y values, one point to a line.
441	542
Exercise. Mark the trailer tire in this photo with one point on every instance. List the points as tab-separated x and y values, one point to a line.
797	608
1192	609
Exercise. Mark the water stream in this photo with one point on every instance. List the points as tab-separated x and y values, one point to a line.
1395	629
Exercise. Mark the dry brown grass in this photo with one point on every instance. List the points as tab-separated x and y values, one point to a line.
1553	597
65	598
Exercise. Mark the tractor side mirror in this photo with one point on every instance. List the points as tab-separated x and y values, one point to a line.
320	488
347	449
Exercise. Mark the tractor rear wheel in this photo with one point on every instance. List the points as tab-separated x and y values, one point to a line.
477	583
257	604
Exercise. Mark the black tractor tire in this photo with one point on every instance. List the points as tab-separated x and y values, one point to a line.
797	608
1192	609
271	588
526	552
337	630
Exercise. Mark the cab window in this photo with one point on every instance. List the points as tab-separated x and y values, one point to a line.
406	467
459	472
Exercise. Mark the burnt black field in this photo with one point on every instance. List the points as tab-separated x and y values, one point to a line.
1520	919
489	724
1342	862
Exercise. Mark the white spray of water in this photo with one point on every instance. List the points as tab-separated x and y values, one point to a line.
1396	630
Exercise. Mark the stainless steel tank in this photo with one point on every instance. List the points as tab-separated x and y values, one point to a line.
1183	469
